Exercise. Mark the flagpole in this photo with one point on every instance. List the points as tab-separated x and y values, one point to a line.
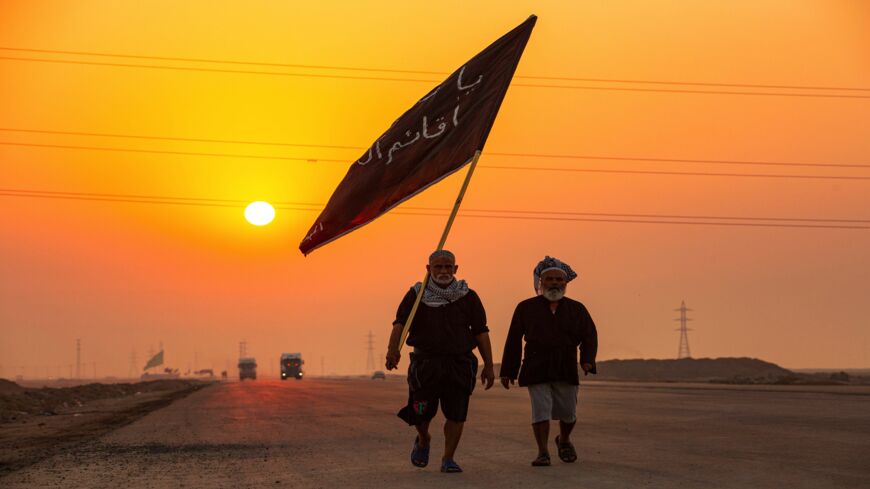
453	213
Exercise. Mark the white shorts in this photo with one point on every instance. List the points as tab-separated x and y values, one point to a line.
554	400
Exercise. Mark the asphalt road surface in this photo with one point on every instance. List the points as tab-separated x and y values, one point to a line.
344	433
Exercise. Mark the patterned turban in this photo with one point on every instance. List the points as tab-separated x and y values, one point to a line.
550	263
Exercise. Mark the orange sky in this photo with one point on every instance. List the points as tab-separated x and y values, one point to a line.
123	276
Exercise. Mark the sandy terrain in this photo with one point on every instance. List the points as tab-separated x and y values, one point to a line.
322	433
38	423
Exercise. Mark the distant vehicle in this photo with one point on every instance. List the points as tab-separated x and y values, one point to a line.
291	366
247	368
206	372
168	373
379	375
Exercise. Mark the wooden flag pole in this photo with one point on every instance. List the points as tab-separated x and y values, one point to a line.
453	213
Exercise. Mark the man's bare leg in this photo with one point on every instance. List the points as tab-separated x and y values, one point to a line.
452	434
423	434
565	431
542	432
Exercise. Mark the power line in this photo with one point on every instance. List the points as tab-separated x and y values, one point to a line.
215	70
131	201
634	221
475	213
132	196
488	153
493	167
166	152
436	73
180	139
416	80
676	173
604	214
703	92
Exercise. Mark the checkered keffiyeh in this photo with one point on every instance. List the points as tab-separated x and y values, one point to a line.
436	296
550	263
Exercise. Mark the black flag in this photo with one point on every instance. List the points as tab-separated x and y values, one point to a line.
434	138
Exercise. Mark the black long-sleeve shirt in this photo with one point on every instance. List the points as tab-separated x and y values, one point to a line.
552	342
445	330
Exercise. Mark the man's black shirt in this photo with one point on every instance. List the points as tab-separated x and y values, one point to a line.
445	330
552	341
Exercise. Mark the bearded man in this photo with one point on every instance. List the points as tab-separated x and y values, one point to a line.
448	325
554	328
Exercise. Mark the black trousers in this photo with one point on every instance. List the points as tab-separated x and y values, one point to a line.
447	380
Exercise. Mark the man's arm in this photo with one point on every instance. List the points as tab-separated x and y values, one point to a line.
487	376
393	354
513	351
402	314
589	346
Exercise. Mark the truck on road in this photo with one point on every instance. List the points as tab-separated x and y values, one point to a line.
247	368
291	366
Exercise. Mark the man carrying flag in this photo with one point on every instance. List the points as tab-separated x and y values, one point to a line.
450	323
444	131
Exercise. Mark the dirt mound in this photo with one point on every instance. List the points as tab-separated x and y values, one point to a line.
690	370
49	401
9	387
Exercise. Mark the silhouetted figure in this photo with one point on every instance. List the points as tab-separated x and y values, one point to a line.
448	325
554	328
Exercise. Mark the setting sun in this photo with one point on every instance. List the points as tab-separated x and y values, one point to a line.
259	213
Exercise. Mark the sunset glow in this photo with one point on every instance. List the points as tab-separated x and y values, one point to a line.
712	152
259	213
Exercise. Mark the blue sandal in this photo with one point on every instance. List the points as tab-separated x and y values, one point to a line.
451	467
419	455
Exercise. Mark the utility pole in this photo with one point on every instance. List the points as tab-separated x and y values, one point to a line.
78	358
322	369
683	351
134	365
243	349
370	360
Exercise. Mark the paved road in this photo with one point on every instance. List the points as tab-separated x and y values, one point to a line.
343	433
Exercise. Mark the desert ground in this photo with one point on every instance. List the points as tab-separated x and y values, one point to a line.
344	433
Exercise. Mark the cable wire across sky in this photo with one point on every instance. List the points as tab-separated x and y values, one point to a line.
314	159
854	92
422	72
488	153
524	214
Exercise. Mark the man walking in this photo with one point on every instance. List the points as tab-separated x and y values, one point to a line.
554	328
449	323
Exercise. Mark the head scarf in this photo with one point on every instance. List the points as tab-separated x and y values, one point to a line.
435	296
549	263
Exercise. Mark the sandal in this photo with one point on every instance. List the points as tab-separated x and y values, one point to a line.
567	453
419	455
450	467
543	460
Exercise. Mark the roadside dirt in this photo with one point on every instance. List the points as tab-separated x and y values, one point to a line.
36	424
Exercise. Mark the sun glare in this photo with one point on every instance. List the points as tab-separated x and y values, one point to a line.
259	213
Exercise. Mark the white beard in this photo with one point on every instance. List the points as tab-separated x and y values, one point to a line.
442	279
554	295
